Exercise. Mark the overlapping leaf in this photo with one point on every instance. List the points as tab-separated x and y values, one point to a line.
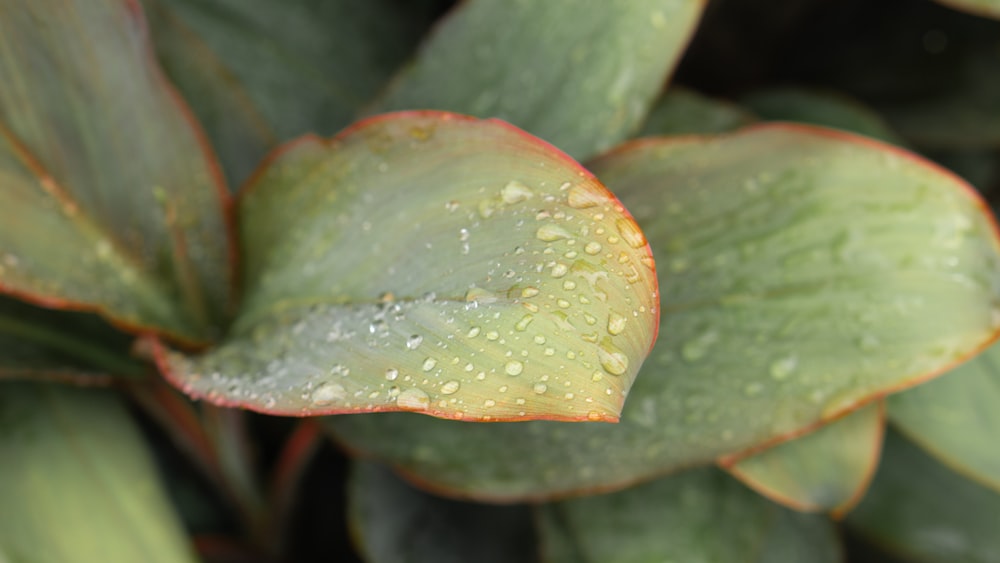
79	492
988	8
393	522
921	511
680	111
435	263
828	469
580	74
799	266
111	201
698	516
258	72
956	417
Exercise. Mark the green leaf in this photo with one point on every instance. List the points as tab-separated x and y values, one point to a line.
805	272
436	263
829	109
698	516
828	469
681	111
919	509
956	418
53	345
112	202
76	482
581	74
259	72
395	523
985	8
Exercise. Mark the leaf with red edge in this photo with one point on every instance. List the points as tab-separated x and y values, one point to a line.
435	263
111	201
805	273
828	469
581	74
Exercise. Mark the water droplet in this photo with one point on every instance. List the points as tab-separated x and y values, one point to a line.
413	342
327	394
784	367
529	292
429	364
616	323
514	367
451	206
540	388
551	232
582	196
631	233
413	399
559	270
592	248
480	295
612	359
515	192
492	335
450	387
473	332
487	208
391	374
522	324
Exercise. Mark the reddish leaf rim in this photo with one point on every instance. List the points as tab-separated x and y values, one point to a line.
217	179
841	510
159	348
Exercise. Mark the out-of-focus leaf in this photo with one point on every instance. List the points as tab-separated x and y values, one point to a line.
698	516
919	509
987	8
828	469
111	200
805	272
956	417
828	109
436	263
260	72
394	523
682	112
54	345
581	74
76	483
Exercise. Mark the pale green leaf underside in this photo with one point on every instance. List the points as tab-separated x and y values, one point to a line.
435	263
580	74
77	484
827	469
957	417
919	510
110	200
699	516
804	272
392	522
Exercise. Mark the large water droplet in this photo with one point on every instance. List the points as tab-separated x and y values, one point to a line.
612	359
550	232
592	248
582	196
414	341
616	323
391	374
450	387
522	324
429	364
515	192
327	394
630	233
414	399
540	388
513	367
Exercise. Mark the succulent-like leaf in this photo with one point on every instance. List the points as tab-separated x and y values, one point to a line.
681	111
698	516
827	469
54	345
393	522
435	263
817	107
581	74
805	272
920	510
987	8
76	482
111	201
260	72
956	418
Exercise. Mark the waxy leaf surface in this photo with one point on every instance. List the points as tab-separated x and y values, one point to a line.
111	202
259	72
680	111
436	263
76	482
39	343
580	74
918	509
827	469
394	523
699	516
957	417
804	272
